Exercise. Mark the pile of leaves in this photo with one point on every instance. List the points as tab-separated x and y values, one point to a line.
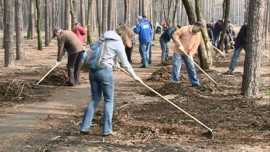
15	90
56	78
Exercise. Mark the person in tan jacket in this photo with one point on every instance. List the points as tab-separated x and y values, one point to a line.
72	44
187	40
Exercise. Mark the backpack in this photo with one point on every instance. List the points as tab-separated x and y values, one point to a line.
93	58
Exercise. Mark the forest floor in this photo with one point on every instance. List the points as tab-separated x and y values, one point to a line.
48	118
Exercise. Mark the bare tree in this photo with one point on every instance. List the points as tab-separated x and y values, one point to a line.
19	30
226	13
98	8
72	13
8	32
47	23
31	26
38	24
174	12
89	19
82	13
109	21
251	78
127	11
205	52
67	20
104	16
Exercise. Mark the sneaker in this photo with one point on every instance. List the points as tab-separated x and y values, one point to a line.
229	72
142	66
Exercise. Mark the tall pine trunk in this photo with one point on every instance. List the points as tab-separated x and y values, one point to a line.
31	24
89	22
104	15
174	12
47	23
82	13
19	30
109	21
72	13
251	78
205	52
38	25
8	32
226	13
67	20
98	8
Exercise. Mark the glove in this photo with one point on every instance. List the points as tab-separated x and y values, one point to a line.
181	48
57	63
137	79
117	65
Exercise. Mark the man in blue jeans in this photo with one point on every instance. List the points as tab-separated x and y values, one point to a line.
240	43
187	40
144	30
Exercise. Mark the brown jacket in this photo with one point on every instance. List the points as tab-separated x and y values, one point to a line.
69	41
187	39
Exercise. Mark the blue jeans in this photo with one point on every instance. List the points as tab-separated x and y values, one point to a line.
144	51
150	53
102	81
235	57
216	40
177	59
165	49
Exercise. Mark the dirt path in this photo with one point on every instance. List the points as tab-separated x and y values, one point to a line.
50	120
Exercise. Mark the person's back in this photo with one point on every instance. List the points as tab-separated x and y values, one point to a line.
144	30
217	28
241	37
167	34
80	32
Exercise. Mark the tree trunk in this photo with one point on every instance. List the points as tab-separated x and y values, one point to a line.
109	22
226	13
8	32
189	11
174	12
205	52
98	18
82	13
31	25
47	23
38	25
89	19
72	13
251	78
67	20
19	30
127	11
104	16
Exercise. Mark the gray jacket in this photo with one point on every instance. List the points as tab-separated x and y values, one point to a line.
115	47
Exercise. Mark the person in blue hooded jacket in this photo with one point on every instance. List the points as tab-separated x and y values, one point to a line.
144	30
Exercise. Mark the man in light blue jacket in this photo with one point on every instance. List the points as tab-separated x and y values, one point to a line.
144	30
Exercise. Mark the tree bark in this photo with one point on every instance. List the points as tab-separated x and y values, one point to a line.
190	12
104	16
8	32
31	25
127	11
47	23
98	18
38	24
109	21
174	12
19	30
89	19
67	20
251	78
72	13
205	52
82	13
226	13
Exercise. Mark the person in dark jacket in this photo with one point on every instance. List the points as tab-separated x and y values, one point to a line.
164	39
210	33
240	43
216	32
69	41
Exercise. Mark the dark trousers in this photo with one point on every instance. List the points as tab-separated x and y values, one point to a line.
129	53
74	67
